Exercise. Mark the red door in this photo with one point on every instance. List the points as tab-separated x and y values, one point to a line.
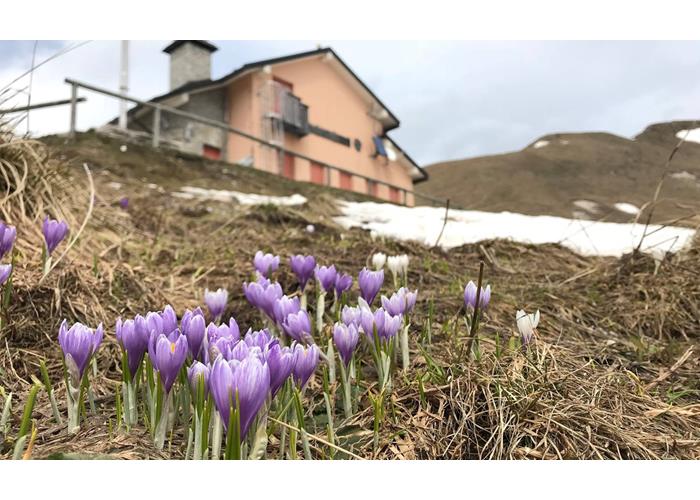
317	173
346	181
288	166
211	152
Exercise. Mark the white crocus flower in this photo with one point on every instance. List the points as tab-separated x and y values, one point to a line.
527	323
378	260
403	260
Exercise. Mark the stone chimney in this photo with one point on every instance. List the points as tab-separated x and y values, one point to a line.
190	61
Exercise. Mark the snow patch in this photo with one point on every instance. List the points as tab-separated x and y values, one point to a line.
683	176
190	193
627	208
540	144
423	224
588	206
693	135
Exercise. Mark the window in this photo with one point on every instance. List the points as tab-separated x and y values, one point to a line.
346	181
379	146
318	173
372	189
211	152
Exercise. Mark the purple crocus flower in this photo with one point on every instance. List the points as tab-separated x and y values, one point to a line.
326	277
303	267
194	372
78	344
247	382
54	232
259	338
284	306
401	302
5	271
194	329
124	203
231	331
266	263
168	354
263	294
169	319
281	363
343	283
351	315
216	301
8	235
370	283
485	297
387	325
133	336
154	323
470	296
298	326
305	362
345	338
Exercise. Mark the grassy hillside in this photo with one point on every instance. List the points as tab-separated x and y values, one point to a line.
554	172
612	372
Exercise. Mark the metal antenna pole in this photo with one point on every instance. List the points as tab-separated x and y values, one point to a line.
123	82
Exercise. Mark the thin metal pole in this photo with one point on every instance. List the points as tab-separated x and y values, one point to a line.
123	83
73	108
156	127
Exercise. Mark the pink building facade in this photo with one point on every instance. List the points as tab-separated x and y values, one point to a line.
317	121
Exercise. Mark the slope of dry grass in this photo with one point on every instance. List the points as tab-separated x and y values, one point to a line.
598	167
613	373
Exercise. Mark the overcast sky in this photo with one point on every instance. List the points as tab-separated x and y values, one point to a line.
454	99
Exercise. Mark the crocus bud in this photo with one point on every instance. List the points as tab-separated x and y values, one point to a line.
8	235
5	271
54	232
169	319
281	362
195	334
284	306
196	372
343	283
298	326
124	203
370	283
485	297
527	323
216	301
265	264
305	362
345	338
154	323
303	268
470	295
78	344
326	277
378	260
133	337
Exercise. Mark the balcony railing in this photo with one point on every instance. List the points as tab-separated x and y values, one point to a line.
295	114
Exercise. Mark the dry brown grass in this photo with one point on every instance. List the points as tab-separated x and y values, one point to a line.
613	373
